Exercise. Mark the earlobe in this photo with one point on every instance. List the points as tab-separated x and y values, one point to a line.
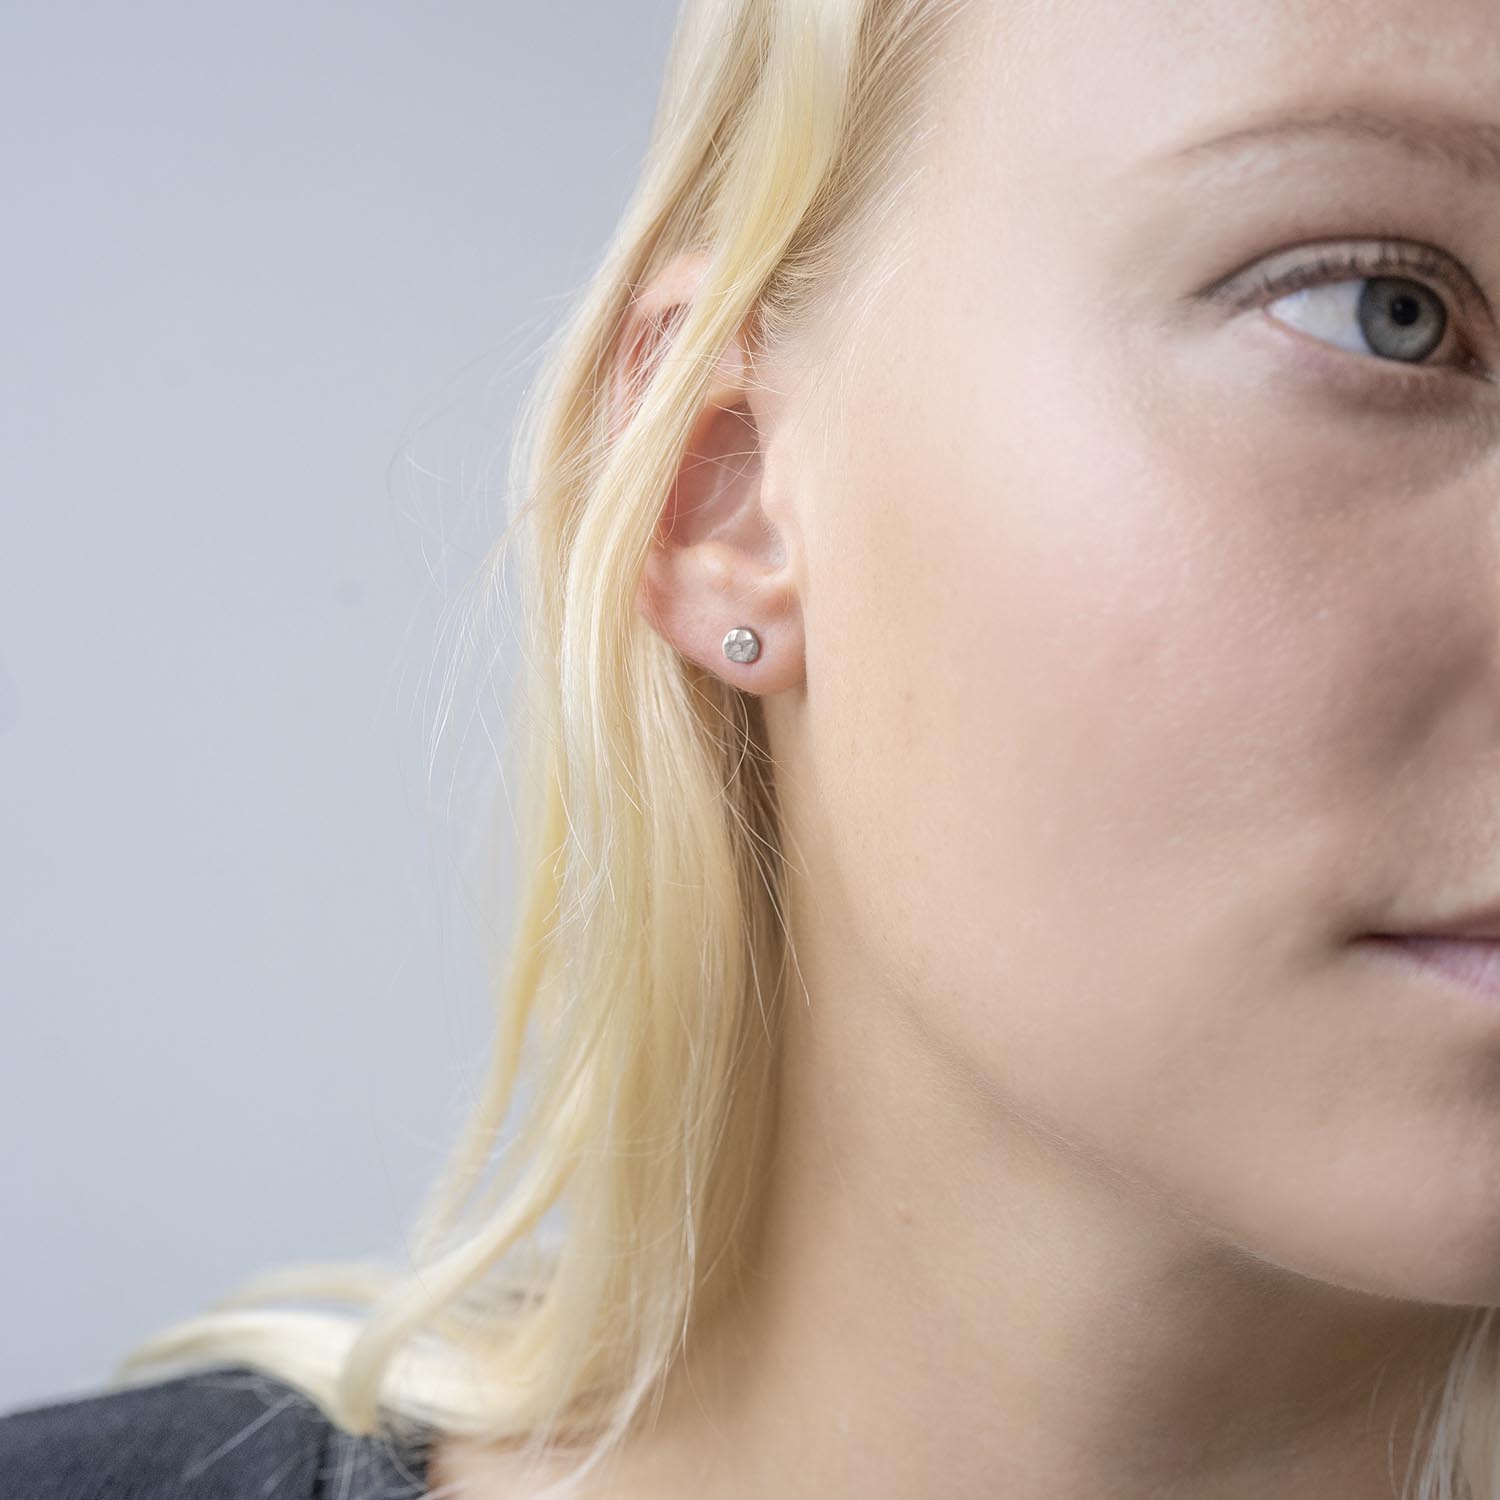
722	610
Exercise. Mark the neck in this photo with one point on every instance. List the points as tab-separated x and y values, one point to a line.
941	1300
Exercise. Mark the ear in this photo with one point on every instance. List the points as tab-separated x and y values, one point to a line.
718	560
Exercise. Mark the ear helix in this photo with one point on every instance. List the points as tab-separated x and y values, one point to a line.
742	645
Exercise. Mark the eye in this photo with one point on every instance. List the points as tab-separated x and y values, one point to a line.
1386	304
1391	316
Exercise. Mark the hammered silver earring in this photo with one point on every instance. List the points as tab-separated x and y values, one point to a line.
742	644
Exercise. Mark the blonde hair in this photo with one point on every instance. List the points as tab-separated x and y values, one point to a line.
649	956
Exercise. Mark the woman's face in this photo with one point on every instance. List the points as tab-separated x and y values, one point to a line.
1152	617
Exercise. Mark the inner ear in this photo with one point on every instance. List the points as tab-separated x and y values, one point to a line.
717	488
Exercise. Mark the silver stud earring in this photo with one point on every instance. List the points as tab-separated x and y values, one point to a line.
742	644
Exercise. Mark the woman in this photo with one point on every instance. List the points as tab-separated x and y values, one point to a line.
1009	950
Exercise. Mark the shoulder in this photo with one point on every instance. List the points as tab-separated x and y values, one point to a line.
225	1432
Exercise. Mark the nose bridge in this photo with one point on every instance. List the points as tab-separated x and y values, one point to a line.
1486	481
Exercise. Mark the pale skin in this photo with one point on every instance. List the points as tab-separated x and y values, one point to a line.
1127	654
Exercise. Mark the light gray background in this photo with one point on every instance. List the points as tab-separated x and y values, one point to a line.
274	276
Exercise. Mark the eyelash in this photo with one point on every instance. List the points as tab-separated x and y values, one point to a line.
1390	258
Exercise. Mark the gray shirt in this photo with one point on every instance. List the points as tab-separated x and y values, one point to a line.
225	1433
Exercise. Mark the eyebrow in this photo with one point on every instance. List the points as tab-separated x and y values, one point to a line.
1459	143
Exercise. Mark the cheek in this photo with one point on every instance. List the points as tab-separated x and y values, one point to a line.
1096	754
1072	730
1083	715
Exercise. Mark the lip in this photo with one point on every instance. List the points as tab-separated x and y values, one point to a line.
1483	923
1473	962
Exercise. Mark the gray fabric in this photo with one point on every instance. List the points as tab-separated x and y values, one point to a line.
227	1433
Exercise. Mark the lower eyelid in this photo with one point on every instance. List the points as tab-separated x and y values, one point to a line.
1370	384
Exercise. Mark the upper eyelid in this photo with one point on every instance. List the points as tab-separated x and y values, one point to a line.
1462	282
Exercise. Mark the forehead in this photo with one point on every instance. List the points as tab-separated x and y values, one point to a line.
1101	86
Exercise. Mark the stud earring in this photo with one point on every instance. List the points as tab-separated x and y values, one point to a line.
742	644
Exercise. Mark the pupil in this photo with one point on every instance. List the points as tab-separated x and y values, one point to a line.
1404	309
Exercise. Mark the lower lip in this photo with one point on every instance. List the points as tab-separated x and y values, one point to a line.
1471	962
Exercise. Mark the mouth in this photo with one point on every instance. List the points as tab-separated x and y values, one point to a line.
1472	962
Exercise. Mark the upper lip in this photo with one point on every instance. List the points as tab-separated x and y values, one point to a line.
1475	924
